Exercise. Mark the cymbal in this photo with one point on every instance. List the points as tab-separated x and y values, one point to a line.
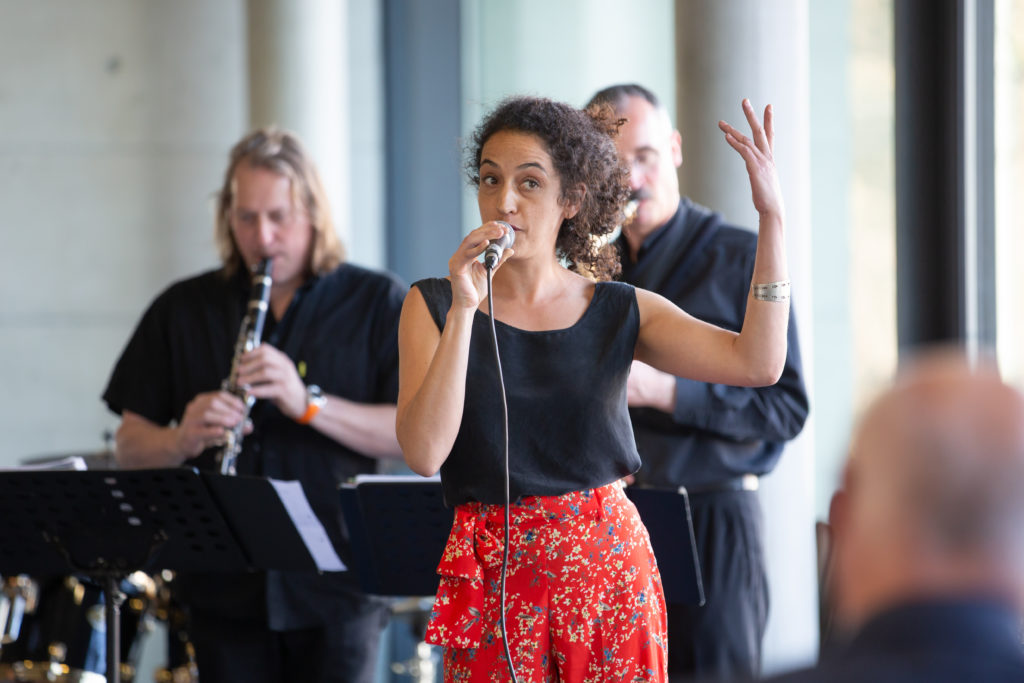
86	460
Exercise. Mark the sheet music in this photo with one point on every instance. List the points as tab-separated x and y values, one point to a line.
72	462
312	531
394	478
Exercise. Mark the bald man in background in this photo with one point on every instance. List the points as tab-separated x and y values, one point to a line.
928	564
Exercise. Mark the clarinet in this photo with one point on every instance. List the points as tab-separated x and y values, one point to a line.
248	339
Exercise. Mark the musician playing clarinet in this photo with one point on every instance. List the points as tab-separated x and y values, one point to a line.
324	382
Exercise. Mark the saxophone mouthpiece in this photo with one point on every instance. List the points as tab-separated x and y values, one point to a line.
629	210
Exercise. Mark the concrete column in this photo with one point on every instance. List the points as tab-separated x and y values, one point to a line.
727	50
298	79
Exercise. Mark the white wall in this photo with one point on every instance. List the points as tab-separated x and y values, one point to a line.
115	121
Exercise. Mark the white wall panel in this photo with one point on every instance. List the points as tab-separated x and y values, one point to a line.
115	122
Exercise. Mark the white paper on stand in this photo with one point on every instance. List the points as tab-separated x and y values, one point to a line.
312	531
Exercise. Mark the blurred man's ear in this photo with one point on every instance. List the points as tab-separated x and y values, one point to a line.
827	550
837	511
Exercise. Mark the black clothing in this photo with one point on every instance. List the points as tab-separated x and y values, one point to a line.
716	433
939	642
566	390
340	650
341	331
727	528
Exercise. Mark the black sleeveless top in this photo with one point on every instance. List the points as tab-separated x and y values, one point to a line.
569	426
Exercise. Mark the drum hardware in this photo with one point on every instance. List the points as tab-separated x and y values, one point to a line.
424	665
18	597
181	653
64	639
422	668
248	339
137	617
53	671
51	634
186	670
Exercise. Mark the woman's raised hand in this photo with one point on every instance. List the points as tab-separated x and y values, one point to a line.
468	276
757	153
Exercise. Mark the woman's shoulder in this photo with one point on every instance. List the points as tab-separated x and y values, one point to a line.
614	290
434	288
622	288
437	295
613	301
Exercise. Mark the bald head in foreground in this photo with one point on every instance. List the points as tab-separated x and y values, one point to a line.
929	532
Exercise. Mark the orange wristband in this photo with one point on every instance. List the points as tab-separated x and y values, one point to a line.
315	400
311	410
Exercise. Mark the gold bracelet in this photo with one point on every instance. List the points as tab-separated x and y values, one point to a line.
771	291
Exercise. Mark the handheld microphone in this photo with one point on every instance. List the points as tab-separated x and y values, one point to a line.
497	247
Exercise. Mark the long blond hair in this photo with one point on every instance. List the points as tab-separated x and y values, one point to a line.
281	152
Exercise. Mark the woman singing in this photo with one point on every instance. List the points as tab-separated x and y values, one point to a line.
584	599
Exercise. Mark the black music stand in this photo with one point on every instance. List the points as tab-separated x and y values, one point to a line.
666	514
107	524
387	512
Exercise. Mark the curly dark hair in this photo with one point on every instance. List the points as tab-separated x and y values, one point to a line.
582	148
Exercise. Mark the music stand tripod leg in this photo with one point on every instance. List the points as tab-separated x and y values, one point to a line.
113	598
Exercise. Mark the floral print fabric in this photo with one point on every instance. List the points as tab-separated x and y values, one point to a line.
584	601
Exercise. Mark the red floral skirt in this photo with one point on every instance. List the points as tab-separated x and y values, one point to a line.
584	600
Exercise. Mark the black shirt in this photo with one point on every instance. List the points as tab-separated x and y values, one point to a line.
569	426
953	640
341	330
716	432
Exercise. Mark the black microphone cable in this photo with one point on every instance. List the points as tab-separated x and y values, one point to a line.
508	504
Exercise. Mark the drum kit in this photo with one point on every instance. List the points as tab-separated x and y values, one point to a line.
53	628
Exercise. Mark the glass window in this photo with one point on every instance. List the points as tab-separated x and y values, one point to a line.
1009	152
854	219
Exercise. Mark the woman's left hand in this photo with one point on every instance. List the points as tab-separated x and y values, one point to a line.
757	153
